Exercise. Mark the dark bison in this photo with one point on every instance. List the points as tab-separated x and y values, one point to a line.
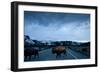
58	50
29	52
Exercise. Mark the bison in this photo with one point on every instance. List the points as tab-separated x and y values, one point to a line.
29	52
58	50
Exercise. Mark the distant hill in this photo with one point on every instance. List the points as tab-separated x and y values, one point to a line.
30	42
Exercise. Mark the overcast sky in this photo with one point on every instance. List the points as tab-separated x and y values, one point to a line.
57	26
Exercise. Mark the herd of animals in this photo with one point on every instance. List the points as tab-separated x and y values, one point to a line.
29	52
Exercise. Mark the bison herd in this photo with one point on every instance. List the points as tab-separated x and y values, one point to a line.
33	52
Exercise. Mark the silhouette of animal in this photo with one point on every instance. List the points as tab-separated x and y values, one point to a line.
30	51
58	50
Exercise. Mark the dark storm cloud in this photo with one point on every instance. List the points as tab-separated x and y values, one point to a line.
57	26
46	18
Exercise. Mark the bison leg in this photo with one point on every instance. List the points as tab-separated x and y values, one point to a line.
34	56
25	57
58	55
64	52
38	55
29	57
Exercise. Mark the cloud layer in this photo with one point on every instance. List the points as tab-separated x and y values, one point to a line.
57	26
